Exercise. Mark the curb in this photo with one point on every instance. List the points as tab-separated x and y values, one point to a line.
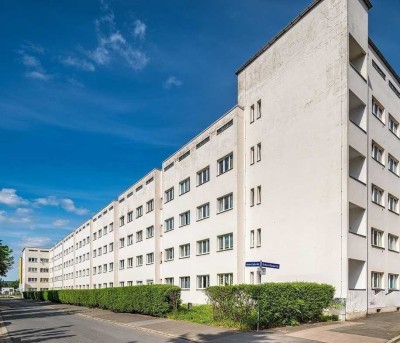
394	340
4	337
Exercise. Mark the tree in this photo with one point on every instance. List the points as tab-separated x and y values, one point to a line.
6	259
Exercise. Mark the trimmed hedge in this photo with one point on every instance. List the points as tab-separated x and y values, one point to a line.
279	304
155	300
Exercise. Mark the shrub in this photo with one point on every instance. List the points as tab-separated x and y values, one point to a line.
278	304
155	300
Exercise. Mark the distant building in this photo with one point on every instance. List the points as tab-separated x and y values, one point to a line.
35	269
302	172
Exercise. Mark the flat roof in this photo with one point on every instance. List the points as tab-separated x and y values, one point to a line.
286	29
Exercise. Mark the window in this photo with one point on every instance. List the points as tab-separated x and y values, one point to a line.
184	250
104	249
100	233
225	242
377	238
121	284
258	195
130	216
184	218
129	283
169	194
377	110
99	269
376	280
150	232
169	224
252	155
139	283
121	264
258	152
258	238
258	109
130	239
150	258
105	268
377	195
203	142
139	211
377	153
149	282
225	164
169	254
139	260
252	197
111	227
203	281
94	236
184	186
379	70
111	247
203	176
99	251
169	281
394	125
122	221
121	242
111	285
224	127
32	259
139	236
225	203
150	205
203	247
184	282
225	279
130	262
393	281
393	165
393	242
251	114
111	266
94	270
104	232
94	253
393	203
203	211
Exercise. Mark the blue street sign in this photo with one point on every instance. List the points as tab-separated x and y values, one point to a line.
262	264
270	265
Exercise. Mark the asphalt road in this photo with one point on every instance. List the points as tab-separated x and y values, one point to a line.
37	322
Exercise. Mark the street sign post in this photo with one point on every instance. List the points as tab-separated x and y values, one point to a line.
262	264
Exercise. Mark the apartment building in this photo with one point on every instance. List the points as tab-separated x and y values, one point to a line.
34	269
303	173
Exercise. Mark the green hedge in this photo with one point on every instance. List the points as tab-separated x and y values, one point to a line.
278	304
155	300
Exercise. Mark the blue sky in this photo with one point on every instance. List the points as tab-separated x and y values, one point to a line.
93	95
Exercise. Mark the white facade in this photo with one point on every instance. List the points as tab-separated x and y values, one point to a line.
302	172
35	269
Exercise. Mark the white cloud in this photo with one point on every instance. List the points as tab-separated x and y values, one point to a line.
37	75
21	215
113	44
77	63
172	81
60	222
139	30
8	196
34	242
65	203
34	67
23	211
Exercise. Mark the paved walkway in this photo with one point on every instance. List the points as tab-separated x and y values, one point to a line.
373	329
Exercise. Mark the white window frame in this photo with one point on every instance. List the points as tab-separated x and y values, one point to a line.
258	152
139	260
139	236
184	186
169	224
393	164
377	238
225	242
203	176
378	110
184	219
169	194
203	281
393	242
150	231
225	279
184	250
150	258
169	254
184	282
393	282
225	164
393	203
139	211
377	195
225	203
378	153
150	205
203	247
377	280
203	211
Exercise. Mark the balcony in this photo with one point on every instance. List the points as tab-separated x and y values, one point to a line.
357	58
357	111
357	274
357	220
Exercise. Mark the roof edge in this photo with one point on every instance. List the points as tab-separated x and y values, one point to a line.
384	60
286	29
